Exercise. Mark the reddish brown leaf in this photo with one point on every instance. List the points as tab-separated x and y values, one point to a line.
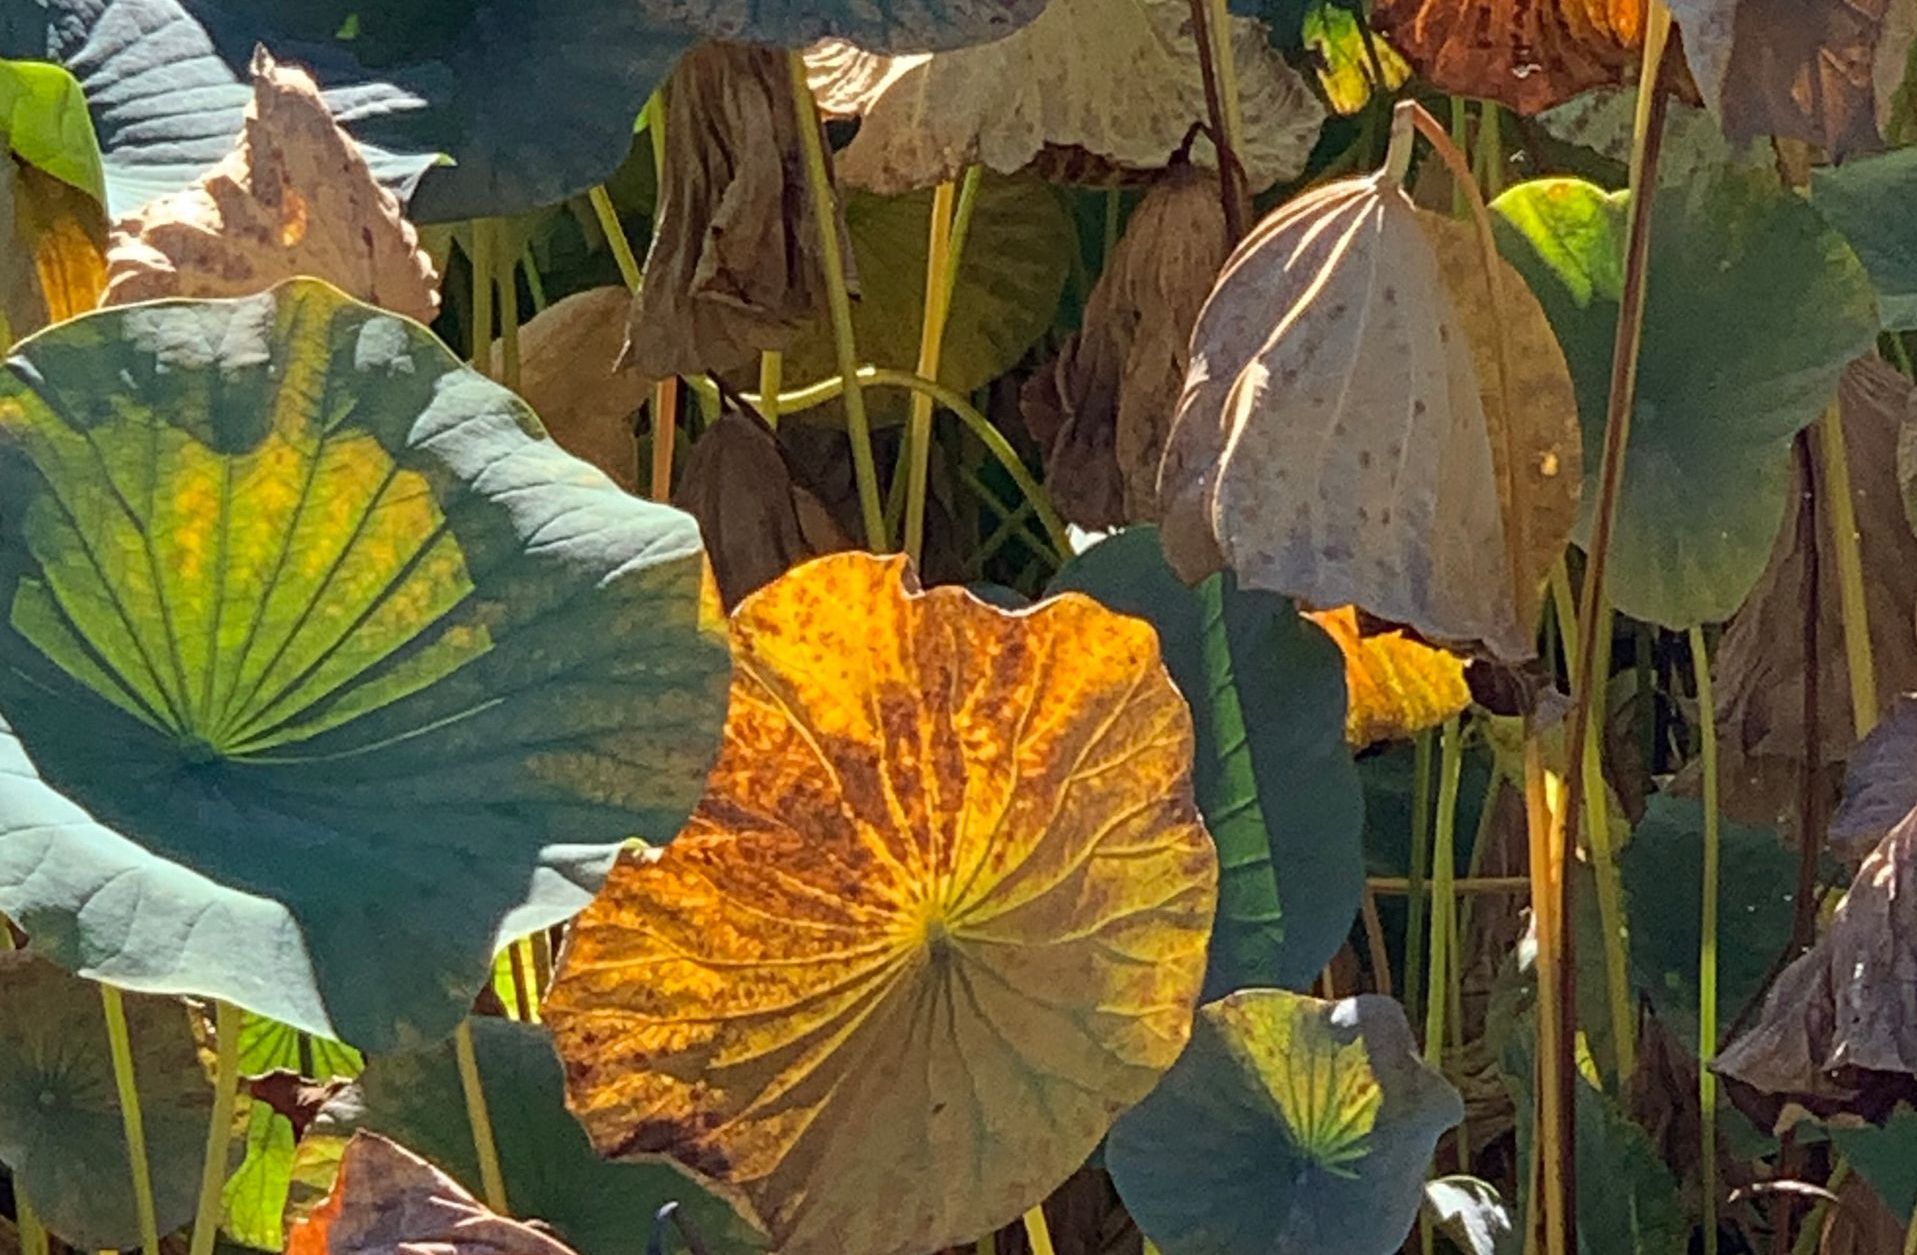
1527	54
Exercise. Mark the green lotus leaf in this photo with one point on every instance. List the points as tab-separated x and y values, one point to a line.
598	1206
1868	199
256	1192
43	114
60	1125
1290	1126
1886	1156
1754	308
1272	773
531	103
322	668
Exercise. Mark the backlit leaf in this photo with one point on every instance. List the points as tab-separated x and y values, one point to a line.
940	917
294	197
1757	309
256	1192
1345	69
1397	687
1273	777
322	669
60	1128
52	249
1290	1126
43	115
1114	81
1527	54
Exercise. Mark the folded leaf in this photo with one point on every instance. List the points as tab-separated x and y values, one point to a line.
1527	54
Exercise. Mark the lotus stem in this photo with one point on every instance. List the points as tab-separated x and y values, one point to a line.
1544	817
838	302
535	287
1810	1237
120	1045
524	952
1400	886
771	379
988	1244
1375	941
918	432
509	324
492	1181
33	1234
1443	900
1418	883
1707	945
615	236
665	427
219	1132
1037	1233
1835	464
1218	111
961	230
1910	1234
482	259
1587	687
1612	920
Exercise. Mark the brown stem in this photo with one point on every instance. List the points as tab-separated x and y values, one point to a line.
1228	195
1810	787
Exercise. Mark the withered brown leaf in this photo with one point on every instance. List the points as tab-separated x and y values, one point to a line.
294	197
1526	54
1103	407
569	373
734	265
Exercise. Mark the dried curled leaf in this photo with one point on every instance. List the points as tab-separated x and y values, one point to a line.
1398	687
1761	664
1880	787
734	267
1795	69
1344	435
1527	54
388	1201
757	520
1114	81
1104	405
941	916
294	197
569	373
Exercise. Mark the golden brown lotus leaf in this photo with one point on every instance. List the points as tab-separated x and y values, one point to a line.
569	373
1397	687
1796	69
757	520
734	266
1335	439
294	197
1526	54
941	916
388	1201
1103	407
52	263
1117	80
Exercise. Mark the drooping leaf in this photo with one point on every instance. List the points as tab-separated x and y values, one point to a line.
734	267
389	1201
294	197
61	1134
1343	57
1103	407
1396	687
1864	199
1838	1032
757	519
1796	69
1403	485
1470	1213
165	81
1113	82
1527	55
1885	1156
1272	774
1290	1126
53	264
940	917
548	1166
43	114
1760	662
256	1192
1002	302
1757	309
1880	786
569	373
322	669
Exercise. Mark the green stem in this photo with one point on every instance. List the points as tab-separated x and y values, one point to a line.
771	378
33	1234
1910	1234
1850	571
839	302
509	325
491	1179
1810	1237
1707	946
535	286
1444	899
1029	531
482	259
961	229
1037	1233
1420	867
615	233
219	1131
132	1120
918	430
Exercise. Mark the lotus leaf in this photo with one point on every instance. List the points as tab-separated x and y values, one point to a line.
940	917
322	669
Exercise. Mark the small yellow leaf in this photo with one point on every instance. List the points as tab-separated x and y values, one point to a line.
941	916
1398	687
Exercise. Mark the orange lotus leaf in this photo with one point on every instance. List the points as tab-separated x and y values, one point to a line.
1398	686
1527	54
941	916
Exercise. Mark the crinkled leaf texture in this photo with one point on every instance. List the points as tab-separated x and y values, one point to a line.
1527	54
322	667
940	917
1290	1126
1273	776
532	102
61	1135
1397	687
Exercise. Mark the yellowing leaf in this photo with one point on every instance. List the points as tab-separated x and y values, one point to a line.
1398	687
54	234
294	197
1114	80
1344	435
940	917
1528	54
1345	68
